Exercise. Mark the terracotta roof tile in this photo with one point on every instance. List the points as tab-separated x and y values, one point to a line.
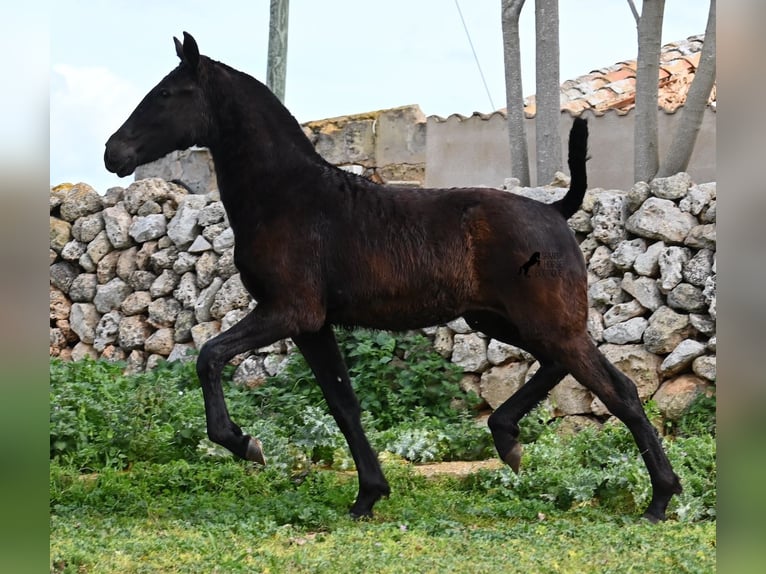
613	88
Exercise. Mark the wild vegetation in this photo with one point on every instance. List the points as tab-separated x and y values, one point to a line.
135	486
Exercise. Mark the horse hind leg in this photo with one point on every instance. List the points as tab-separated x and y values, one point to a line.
504	422
619	394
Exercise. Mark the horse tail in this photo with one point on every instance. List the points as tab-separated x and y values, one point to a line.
578	155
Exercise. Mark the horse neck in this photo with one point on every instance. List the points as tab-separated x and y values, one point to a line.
254	139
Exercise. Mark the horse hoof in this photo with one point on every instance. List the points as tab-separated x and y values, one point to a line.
254	451
513	458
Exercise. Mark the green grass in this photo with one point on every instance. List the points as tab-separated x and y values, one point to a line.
136	487
224	517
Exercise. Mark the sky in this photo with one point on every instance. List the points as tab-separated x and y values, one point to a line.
344	57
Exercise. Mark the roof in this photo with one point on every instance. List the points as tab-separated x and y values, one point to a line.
614	88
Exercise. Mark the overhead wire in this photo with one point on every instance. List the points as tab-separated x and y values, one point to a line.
475	56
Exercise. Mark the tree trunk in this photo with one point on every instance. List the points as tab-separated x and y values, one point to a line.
276	72
548	88
514	94
646	156
690	120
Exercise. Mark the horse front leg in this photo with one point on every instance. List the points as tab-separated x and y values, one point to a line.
258	329
321	352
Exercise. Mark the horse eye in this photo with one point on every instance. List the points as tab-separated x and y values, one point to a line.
165	93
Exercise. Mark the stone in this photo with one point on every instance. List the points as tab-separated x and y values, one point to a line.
250	372
671	263
704	367
184	322
660	219
674	396
699	268
206	268
83	319
86	263
113	354
600	262
126	263
144	254
148	227
187	291
708	216
149	207
113	196
231	295
164	284
636	363
73	250
184	226
673	187
499	353
136	362
160	342
570	398
274	364
647	263
681	357
712	343
83	288
629	331
141	280
60	306
644	290
580	222
498	383
608	221
62	274
595	325
459	326
606	292
111	295
701	237
225	267
202	332
136	303
107	330
149	189
117	222
163	312
163	258
469	352
685	297
80	200
637	195
106	269
86	228
626	252
83	350
205	300
235	316
60	233
184	263
99	247
698	198
443	341
702	323
211	232
623	312
133	332
183	352
224	241
666	330
199	245
213	212
709	292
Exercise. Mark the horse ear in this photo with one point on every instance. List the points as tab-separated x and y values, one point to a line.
179	48
191	51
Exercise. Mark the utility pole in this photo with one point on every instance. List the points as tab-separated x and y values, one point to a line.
276	70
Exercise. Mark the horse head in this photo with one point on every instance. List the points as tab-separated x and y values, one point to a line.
170	117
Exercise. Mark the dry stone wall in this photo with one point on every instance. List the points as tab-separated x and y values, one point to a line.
146	273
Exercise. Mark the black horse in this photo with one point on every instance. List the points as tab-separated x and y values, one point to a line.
317	246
